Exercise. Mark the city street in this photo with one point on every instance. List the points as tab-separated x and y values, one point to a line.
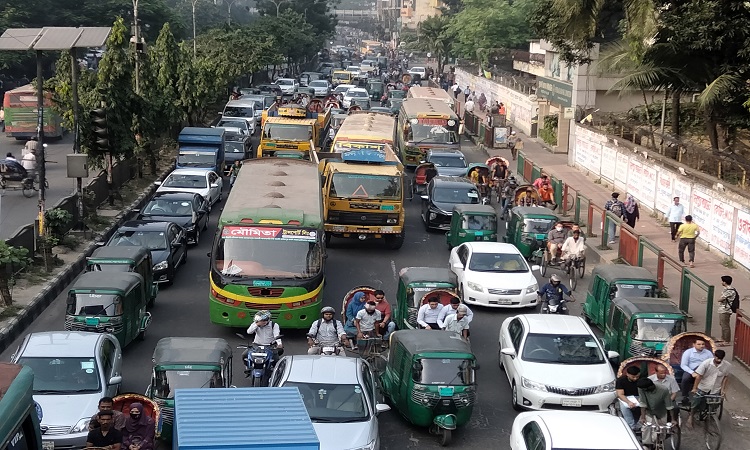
181	310
17	210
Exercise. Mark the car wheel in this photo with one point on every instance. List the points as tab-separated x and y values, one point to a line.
170	277
514	397
205	224
500	359
197	239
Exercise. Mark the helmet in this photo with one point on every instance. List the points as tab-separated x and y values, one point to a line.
512	179
328	309
555	278
512	133
262	315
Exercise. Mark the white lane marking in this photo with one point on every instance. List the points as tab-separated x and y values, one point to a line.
393	269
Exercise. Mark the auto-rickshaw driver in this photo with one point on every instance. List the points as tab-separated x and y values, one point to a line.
555	239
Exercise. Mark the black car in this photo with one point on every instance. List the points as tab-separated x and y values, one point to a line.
236	148
272	89
186	209
442	194
167	242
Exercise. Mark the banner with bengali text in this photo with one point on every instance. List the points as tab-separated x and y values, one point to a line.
642	182
702	203
621	175
742	239
722	225
664	187
609	163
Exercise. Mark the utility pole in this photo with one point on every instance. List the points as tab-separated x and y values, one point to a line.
40	139
278	5
195	47
137	33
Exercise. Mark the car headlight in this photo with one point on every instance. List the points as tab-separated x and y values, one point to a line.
533	288
161	266
475	286
433	216
369	446
608	387
81	426
528	384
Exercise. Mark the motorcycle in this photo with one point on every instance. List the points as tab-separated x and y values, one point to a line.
553	305
328	349
259	361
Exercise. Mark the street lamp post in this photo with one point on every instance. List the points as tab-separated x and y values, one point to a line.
278	5
195	47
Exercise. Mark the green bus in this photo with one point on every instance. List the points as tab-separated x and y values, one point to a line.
19	414
424	124
21	114
268	252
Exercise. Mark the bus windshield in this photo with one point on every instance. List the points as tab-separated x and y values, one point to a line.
435	134
287	132
267	252
348	185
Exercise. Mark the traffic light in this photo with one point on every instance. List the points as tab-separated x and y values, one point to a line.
100	130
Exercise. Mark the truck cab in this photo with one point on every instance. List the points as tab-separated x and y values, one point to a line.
201	148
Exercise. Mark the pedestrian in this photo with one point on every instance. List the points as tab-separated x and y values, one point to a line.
469	106
515	144
467	93
687	233
675	213
29	163
729	296
632	211
616	207
234	170
2	119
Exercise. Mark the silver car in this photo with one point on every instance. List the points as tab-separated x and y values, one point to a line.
72	371
340	395
322	87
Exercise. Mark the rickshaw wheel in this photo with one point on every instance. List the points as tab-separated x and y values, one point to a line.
445	437
543	268
581	268
328	239
573	278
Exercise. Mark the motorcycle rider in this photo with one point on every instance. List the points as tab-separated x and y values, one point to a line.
327	331
266	331
554	290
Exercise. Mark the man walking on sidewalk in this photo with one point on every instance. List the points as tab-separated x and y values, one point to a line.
687	233
515	144
674	215
616	207
729	296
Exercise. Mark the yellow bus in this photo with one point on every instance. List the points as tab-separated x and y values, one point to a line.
431	93
424	125
364	127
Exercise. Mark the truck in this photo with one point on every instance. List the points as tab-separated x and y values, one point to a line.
293	127
201	148
242	419
268	253
363	182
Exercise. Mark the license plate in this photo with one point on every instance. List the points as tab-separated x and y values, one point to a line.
446	391
329	349
503	301
571	402
262	283
386	229
541	236
48	445
339	229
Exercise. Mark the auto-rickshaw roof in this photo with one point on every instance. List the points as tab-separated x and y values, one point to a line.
120	252
615	272
411	275
648	305
116	281
417	341
187	350
474	209
534	211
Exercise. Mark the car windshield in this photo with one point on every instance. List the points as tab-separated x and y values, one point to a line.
497	262
357	93
347	185
341	76
448	161
167	381
152	240
167	207
478	222
196	160
396	93
241	124
576	349
446	371
284	82
254	252
57	375
333	402
240	111
186	181
436	134
107	267
318	84
94	305
537	225
635	290
464	195
234	147
287	132
653	329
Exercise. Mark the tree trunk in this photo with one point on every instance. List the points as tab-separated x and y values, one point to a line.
5	298
711	130
676	113
650	125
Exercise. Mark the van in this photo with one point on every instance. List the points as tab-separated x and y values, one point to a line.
241	109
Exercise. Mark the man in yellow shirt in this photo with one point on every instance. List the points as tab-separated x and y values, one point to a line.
687	233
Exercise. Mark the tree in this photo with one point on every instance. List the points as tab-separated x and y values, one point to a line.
16	258
436	37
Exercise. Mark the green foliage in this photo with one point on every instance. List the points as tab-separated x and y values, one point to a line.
436	36
56	220
548	132
484	25
17	257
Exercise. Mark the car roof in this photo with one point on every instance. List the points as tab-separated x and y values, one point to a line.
585	430
554	324
494	247
174	194
634	305
286	79
445	180
357	89
446	152
189	172
61	343
240	102
319	81
614	272
323	369
144	225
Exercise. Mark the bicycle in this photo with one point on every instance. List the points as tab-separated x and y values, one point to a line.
711	408
665	437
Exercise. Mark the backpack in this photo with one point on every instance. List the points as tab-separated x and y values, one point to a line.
336	323
617	209
735	305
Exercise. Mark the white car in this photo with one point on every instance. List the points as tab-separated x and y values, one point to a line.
287	85
356	71
554	361
340	395
549	430
207	183
421	71
494	274
359	94
322	87
342	88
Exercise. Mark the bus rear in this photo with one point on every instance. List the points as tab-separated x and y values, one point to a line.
269	253
21	114
424	125
431	93
19	414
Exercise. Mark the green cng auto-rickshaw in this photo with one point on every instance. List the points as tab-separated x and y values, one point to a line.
111	302
527	229
125	259
430	379
642	326
415	286
472	223
184	362
375	88
611	281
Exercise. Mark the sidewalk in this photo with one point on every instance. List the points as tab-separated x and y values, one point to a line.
708	266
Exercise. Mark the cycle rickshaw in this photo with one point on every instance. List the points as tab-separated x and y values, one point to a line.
575	268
